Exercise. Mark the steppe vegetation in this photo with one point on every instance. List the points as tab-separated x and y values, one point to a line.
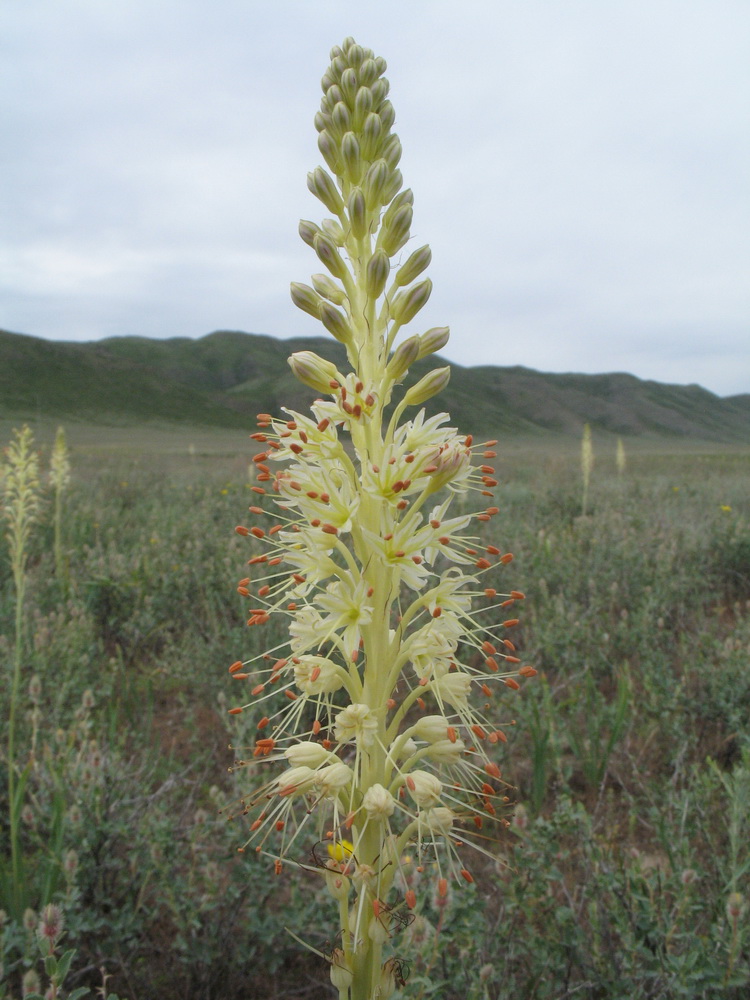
625	871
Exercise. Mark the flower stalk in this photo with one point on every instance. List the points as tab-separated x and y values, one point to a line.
59	477
21	500
396	628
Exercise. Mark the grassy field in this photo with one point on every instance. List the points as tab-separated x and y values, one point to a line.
625	871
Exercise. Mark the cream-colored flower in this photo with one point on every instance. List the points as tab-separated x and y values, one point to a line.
356	723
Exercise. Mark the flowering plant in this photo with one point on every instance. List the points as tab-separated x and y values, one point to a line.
370	698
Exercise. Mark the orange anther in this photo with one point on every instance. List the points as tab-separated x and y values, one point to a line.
512	683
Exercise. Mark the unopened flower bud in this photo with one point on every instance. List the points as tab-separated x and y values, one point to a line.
329	256
329	150
357	211
405	306
427	387
334	95
438	820
378	802
391	151
362	106
296	780
432	341
308	231
308	753
335	322
328	289
414	266
403	357
425	788
368	73
349	85
350	154
395	234
387	114
431	728
320	182
313	370
355	54
374	183
333	777
371	135
341	121
446	751
305	298
407	750
378	269
334	231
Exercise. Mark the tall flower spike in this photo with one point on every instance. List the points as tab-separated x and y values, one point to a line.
368	707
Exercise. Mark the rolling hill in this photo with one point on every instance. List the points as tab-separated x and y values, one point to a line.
226	377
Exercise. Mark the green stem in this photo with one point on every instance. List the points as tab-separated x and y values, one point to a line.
15	806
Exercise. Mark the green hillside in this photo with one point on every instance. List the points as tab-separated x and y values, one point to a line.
225	378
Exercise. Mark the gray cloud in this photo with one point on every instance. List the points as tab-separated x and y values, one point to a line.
580	171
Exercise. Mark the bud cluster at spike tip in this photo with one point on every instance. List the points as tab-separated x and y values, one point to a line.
376	728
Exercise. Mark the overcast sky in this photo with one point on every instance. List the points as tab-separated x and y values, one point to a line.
581	170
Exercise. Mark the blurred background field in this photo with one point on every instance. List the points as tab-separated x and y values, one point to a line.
625	871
